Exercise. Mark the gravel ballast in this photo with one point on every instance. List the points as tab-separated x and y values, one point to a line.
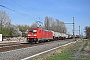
24	52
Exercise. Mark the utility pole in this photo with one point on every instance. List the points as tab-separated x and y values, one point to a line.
73	30
79	30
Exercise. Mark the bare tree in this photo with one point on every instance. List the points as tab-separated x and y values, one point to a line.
6	28
48	23
34	25
87	31
52	25
4	20
56	25
59	26
5	23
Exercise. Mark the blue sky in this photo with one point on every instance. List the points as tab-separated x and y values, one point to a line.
64	10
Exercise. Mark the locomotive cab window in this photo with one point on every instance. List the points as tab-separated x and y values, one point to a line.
30	30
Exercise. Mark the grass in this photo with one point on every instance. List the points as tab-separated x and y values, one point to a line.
83	57
66	54
84	46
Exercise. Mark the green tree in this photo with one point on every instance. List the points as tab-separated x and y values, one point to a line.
5	23
23	29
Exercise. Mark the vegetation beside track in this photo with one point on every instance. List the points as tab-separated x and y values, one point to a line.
75	51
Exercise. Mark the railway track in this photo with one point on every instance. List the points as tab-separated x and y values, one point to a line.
23	50
14	46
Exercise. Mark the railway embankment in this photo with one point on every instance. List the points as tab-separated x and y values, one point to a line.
80	50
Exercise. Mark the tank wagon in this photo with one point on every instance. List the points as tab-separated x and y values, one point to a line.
58	36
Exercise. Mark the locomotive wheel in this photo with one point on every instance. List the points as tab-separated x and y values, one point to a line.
36	42
40	41
43	41
48	40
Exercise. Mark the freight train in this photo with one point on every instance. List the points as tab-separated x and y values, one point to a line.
37	35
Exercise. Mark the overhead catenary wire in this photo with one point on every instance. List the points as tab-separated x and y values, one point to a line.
28	5
24	8
20	13
31	7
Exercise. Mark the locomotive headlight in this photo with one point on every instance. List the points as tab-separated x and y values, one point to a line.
29	35
34	30
35	35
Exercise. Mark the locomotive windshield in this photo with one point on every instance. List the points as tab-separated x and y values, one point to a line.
32	30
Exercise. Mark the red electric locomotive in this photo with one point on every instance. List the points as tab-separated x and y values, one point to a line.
38	34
